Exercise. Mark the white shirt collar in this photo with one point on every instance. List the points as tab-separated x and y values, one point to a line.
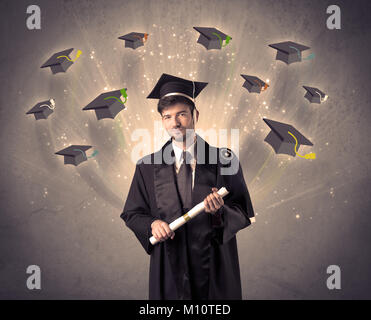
178	151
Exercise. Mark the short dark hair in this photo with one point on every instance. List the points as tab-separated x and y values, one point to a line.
172	100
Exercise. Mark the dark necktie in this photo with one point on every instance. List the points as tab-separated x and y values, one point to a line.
184	179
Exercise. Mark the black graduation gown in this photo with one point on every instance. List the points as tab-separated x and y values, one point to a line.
201	262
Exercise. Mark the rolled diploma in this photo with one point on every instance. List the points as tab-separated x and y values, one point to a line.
189	215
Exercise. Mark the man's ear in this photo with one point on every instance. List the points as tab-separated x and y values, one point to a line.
195	115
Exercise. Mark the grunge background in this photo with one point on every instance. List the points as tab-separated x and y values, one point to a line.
65	219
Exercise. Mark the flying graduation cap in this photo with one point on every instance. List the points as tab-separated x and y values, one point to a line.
212	38
58	62
169	85
254	84
285	139
74	154
134	39
108	104
289	51
42	110
315	95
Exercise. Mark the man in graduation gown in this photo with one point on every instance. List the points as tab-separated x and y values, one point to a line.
199	260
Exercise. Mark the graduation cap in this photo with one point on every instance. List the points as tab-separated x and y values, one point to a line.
42	110
315	95
74	154
169	85
254	84
212	38
284	138
289	51
108	104
60	61
134	39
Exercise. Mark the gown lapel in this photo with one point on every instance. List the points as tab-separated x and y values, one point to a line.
169	208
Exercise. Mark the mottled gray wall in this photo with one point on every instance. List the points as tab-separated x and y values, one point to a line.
66	219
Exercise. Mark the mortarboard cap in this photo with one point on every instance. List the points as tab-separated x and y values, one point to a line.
42	110
315	95
107	105
169	85
74	154
254	84
211	38
60	64
289	51
134	39
283	142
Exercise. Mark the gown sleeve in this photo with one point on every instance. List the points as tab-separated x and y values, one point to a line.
136	213
237	209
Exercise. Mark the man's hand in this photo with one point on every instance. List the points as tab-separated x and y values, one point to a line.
161	230
213	202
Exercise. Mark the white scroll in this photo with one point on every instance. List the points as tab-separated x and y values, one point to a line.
189	215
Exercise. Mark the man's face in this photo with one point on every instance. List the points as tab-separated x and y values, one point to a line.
177	121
